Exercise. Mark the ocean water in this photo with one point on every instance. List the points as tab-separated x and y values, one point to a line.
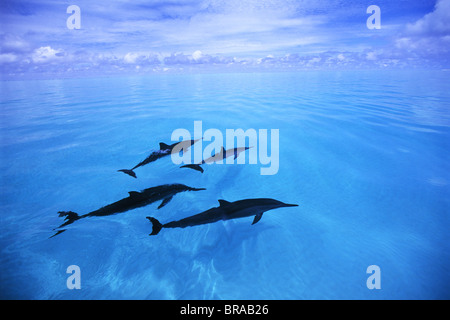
364	154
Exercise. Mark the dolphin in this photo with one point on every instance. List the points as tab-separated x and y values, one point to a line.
225	211
223	154
164	150
133	201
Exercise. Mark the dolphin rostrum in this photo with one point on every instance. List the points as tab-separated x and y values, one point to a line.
133	201
226	211
163	151
223	154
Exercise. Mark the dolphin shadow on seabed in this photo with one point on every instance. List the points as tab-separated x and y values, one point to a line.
134	200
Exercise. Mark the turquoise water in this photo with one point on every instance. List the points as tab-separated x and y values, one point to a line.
364	154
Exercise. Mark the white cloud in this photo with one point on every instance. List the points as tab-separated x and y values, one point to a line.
45	54
131	57
197	55
435	23
372	56
428	38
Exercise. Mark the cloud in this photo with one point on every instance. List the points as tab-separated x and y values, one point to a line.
214	27
13	43
152	36
436	23
196	58
372	56
46	54
197	55
428	37
7	58
131	57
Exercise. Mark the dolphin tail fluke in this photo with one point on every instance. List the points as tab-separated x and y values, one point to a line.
193	166
128	172
156	226
70	217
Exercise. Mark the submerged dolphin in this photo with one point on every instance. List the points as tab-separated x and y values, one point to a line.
163	151
223	154
226	211
133	201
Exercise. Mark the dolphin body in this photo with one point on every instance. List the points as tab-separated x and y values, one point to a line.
164	150
134	200
223	154
226	211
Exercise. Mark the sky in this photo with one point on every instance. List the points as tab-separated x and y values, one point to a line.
159	36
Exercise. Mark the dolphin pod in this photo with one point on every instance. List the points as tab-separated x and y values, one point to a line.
225	211
134	200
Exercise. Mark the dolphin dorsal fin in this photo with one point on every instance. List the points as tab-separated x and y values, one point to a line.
223	202
134	193
222	150
163	146
217	154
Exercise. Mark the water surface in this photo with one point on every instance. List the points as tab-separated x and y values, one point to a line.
364	154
